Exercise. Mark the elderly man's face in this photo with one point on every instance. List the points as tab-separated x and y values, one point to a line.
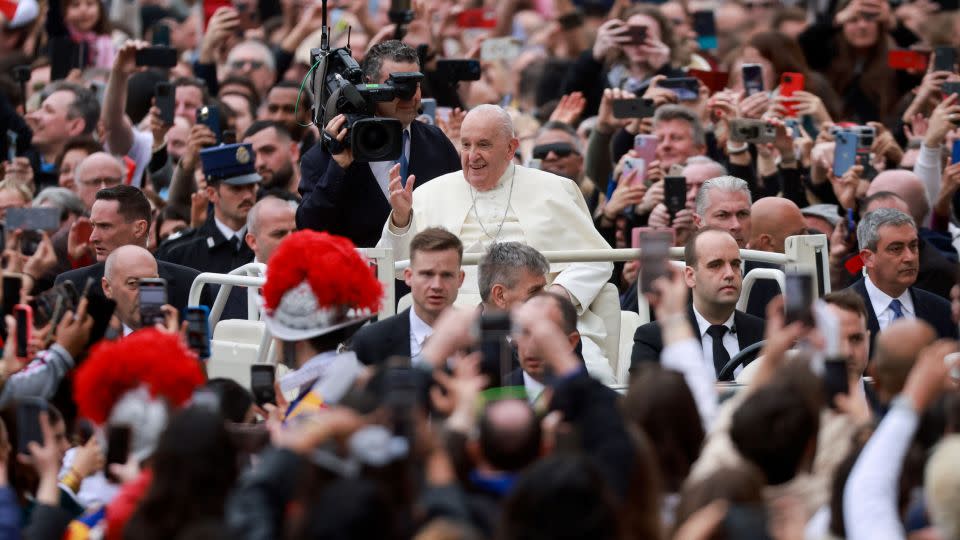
122	286
486	149
562	159
248	61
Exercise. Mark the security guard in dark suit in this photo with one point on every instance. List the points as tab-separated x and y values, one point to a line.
219	245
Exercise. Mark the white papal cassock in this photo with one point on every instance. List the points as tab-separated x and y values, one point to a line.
531	206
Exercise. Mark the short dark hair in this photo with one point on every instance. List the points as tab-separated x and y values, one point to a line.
195	82
234	399
510	448
848	301
261	125
85	104
83	142
775	425
132	204
567	310
435	239
393	50
251	103
246	83
690	248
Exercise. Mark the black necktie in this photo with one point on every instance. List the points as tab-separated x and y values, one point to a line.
720	354
235	243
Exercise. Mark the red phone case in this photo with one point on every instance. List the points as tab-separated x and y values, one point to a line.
210	7
790	83
477	18
908	60
714	80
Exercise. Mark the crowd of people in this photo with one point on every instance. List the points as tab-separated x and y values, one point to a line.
149	141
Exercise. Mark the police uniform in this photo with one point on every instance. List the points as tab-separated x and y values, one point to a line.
206	248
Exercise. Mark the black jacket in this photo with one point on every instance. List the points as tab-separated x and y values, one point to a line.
206	250
648	341
376	342
350	202
927	306
179	280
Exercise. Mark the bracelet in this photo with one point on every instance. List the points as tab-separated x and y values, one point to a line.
71	480
731	150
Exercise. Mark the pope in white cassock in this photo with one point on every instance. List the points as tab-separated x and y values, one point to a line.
494	200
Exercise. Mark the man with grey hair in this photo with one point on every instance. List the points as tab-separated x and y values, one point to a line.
510	273
560	151
253	60
680	135
724	202
269	222
349	198
493	200
889	249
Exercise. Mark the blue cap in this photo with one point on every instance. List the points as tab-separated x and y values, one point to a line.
231	164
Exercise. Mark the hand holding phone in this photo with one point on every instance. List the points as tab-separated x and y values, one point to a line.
118	449
261	383
654	257
152	295
28	423
198	330
24	316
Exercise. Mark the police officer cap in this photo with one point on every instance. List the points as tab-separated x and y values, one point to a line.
231	164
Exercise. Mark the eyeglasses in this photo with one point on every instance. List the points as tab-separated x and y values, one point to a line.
239	64
561	150
103	182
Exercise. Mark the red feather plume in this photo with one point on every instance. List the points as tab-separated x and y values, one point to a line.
338	275
148	358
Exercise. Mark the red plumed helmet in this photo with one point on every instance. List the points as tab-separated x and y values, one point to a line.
147	358
317	283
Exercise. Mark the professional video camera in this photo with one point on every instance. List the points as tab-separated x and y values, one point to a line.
338	88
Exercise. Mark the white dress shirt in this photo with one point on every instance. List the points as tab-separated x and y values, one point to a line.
381	169
227	232
730	342
881	304
419	332
533	387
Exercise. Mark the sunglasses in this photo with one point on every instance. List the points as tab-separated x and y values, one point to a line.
561	150
239	64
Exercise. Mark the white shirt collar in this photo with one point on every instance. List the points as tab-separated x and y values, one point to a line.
881	300
533	387
704	324
126	330
419	332
227	232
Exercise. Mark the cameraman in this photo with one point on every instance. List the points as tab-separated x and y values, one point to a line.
350	199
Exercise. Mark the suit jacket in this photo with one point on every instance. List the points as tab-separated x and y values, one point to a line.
350	202
179	280
648	341
376	342
937	273
927	306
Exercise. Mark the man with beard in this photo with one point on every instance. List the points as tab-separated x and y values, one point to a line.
277	156
889	249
